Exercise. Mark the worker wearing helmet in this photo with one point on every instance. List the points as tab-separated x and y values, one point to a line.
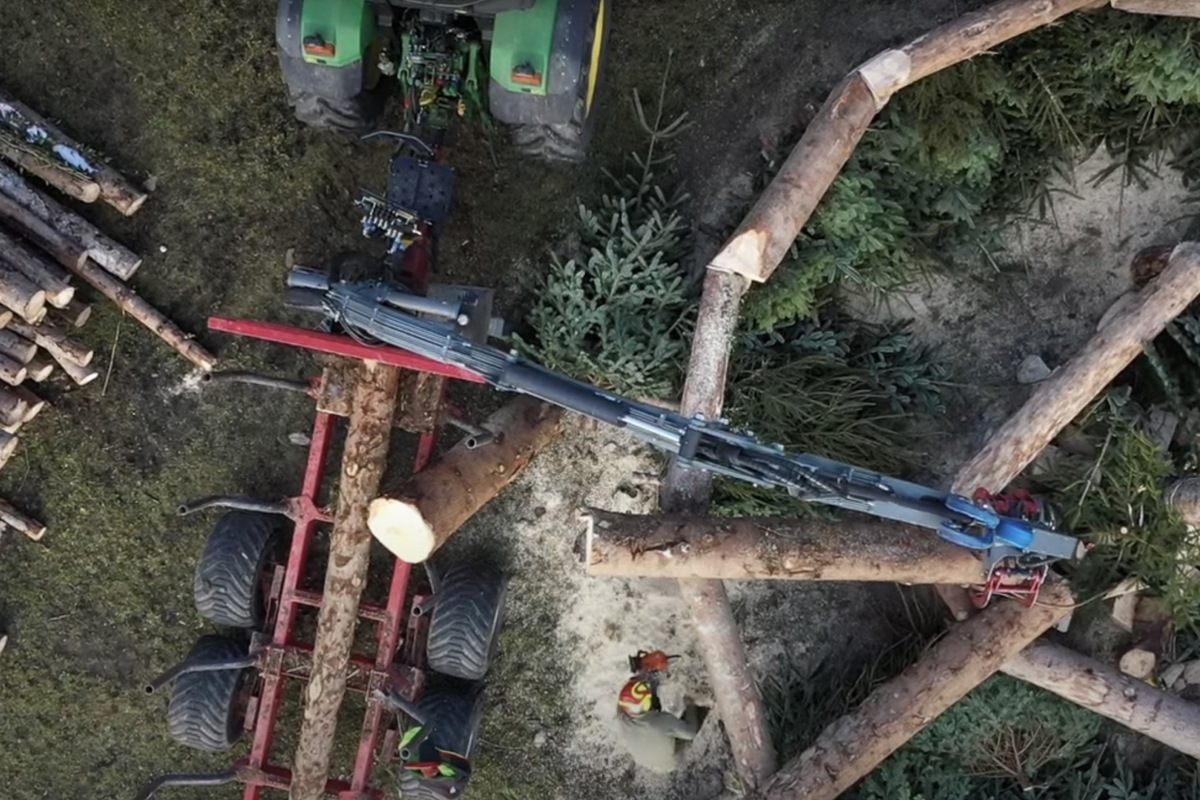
652	735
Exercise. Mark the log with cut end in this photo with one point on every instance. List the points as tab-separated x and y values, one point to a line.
62	248
50	277
1062	396
852	548
115	189
8	446
20	295
55	341
759	244
69	182
416	518
33	404
80	374
14	408
137	307
40	367
1103	689
101	248
12	371
21	522
363	461
74	314
969	653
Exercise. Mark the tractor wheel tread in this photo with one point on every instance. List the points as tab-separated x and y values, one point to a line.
227	581
203	712
467	614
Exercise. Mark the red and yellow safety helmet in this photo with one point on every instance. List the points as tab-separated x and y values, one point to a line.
636	697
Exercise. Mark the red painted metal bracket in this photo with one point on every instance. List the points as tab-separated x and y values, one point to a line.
337	345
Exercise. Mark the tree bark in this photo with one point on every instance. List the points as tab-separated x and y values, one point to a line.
113	256
18	348
851	548
64	250
962	659
363	462
12	371
759	244
70	183
46	275
1062	396
18	521
1098	687
687	491
417	517
53	340
115	189
1172	8
148	315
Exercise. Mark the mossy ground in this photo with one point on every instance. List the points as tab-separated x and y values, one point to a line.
189	93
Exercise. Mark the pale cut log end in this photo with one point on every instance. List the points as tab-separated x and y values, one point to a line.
743	255
77	312
80	374
886	74
61	298
33	309
402	529
37	533
957	600
3	642
6	316
39	367
8	446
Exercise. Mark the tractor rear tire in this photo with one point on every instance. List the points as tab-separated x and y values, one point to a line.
228	583
569	142
467	614
205	712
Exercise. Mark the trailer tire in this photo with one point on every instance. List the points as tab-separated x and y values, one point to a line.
467	614
205	712
227	586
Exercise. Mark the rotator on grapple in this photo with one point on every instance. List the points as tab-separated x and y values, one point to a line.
1013	534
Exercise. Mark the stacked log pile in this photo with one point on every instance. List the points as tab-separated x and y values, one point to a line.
46	251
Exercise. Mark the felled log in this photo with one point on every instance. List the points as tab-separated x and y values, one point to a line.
20	522
1173	8
12	371
50	277
54	340
66	252
14	409
851	548
115	189
8	446
108	253
33	404
69	182
759	244
6	315
40	367
21	295
686	491
1062	396
74	314
417	517
1096	686
969	653
363	462
1138	663
18	348
143	312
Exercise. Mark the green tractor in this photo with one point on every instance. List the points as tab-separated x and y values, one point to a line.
533	65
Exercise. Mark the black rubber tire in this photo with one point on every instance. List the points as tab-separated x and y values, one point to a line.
467	614
350	115
205	712
456	710
566	142
227	587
